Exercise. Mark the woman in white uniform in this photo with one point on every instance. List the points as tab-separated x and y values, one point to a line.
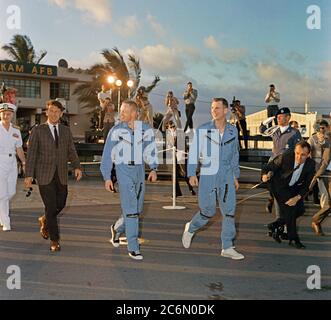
10	145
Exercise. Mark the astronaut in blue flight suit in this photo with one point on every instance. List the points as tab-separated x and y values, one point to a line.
128	144
215	148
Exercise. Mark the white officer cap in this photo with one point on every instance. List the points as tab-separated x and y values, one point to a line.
7	107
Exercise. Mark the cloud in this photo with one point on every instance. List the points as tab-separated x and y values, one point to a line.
225	55
276	73
272	52
86	62
60	3
231	55
296	57
3	54
295	87
97	11
128	27
161	59
156	26
211	43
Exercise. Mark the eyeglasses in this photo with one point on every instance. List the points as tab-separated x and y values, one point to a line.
28	194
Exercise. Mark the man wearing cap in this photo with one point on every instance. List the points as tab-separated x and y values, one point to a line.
284	139
50	148
272	98
10	146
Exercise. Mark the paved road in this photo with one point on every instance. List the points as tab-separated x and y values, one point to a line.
88	267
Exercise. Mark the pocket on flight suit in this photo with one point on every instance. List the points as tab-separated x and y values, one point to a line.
207	203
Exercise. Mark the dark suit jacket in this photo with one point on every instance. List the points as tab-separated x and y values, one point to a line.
283	168
44	158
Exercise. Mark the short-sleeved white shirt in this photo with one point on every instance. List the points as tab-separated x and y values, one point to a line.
9	140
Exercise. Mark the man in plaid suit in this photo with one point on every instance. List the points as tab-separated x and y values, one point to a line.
50	148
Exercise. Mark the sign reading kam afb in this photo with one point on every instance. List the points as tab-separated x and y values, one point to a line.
28	68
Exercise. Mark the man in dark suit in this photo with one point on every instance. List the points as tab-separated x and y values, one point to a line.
50	148
291	174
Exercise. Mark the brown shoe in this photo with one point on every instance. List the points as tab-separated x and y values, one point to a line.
43	229
317	228
55	246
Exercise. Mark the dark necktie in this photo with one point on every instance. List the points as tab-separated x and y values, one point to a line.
56	137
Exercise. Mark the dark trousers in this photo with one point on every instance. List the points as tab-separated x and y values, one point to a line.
180	173
289	217
271	111
54	196
242	129
189	110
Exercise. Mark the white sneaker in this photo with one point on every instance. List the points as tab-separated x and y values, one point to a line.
231	253
136	255
6	228
187	236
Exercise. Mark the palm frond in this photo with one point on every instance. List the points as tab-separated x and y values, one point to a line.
153	85
42	55
21	50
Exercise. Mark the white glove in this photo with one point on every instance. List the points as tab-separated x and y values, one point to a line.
270	119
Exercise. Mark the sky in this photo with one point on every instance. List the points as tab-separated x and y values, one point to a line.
225	47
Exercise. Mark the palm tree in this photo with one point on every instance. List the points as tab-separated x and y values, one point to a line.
115	65
21	50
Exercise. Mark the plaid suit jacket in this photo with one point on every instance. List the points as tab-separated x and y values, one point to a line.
44	158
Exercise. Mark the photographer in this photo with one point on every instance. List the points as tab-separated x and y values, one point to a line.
103	95
190	96
145	107
272	98
240	118
172	110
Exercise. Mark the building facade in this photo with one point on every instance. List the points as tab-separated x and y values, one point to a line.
36	84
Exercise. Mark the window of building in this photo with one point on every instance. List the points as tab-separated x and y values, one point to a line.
59	90
25	88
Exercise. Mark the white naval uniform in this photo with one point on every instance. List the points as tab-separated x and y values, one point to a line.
9	142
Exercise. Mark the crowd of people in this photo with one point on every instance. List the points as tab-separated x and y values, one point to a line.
293	169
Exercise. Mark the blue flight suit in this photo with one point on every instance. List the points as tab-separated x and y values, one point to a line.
216	177
128	149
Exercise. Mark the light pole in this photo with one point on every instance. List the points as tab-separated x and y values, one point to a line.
118	84
111	80
130	85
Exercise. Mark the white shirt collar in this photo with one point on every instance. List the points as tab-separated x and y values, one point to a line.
10	126
283	129
51	126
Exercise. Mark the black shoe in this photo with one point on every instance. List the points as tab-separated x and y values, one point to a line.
269	205
275	232
136	255
271	229
297	244
276	237
284	236
193	193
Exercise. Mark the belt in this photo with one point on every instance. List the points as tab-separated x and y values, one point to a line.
131	163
